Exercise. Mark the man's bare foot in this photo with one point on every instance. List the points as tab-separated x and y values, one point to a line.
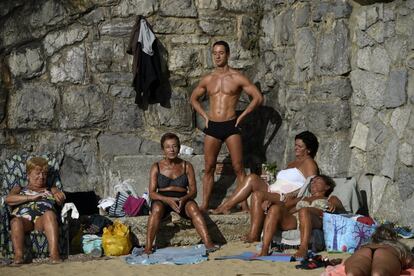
301	253
219	211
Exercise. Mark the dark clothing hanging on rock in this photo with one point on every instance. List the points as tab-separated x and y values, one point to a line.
146	69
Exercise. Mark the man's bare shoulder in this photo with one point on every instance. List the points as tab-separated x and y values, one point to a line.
207	77
238	74
235	71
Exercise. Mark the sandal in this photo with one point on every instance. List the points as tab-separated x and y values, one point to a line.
312	263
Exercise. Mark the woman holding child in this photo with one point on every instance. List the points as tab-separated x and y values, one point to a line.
287	185
173	188
304	213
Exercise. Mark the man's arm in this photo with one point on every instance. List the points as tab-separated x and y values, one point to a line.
251	90
199	91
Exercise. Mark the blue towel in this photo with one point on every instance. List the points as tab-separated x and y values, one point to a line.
251	256
246	256
170	255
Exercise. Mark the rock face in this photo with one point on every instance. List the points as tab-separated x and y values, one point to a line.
342	70
221	228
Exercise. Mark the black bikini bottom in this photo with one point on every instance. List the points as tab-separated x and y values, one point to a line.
167	207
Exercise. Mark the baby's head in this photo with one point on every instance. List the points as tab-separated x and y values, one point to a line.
384	232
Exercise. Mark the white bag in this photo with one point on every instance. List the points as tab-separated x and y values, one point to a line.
125	187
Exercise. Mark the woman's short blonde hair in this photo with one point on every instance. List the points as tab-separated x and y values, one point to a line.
36	162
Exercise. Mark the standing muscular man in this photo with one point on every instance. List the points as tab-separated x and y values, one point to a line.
223	87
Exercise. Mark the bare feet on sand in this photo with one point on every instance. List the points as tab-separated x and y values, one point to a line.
55	261
263	253
248	239
55	258
18	260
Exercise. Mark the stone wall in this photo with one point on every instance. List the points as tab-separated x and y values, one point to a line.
339	69
382	136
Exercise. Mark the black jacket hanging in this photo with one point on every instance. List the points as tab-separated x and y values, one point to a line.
146	68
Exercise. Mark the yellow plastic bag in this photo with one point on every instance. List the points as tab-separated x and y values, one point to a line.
116	239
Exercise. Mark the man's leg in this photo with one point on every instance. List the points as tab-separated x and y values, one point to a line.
235	147
211	150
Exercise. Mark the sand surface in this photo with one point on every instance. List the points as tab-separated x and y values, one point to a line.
117	266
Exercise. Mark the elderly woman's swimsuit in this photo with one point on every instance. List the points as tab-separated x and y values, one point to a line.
164	181
321	203
34	209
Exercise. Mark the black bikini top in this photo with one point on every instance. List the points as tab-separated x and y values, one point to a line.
164	181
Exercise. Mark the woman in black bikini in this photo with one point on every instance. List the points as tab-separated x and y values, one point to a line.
173	188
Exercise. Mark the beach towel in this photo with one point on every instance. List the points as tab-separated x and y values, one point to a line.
171	255
251	256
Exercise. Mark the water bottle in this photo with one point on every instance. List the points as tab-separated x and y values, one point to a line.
96	252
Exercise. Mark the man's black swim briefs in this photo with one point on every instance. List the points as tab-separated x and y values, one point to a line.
222	130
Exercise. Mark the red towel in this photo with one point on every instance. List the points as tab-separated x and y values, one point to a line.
366	220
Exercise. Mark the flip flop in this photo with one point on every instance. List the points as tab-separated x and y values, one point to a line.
312	263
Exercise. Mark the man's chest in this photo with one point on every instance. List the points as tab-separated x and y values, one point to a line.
226	84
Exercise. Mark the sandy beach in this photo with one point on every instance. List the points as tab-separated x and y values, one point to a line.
117	266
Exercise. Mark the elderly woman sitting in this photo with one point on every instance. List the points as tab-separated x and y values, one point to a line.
173	188
304	213
33	208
